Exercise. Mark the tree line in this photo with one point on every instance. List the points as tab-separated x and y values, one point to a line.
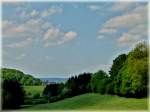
24	79
128	77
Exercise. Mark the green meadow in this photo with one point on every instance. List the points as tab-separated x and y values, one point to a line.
34	89
93	101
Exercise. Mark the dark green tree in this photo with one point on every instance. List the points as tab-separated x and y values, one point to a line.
79	84
115	78
117	65
12	94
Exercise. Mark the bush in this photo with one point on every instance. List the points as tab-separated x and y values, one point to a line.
36	96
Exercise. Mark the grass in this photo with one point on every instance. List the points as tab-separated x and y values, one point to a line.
93	101
34	89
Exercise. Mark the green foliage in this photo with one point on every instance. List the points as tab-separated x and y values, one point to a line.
24	79
128	75
79	84
117	65
36	95
110	88
99	81
65	92
53	91
134	74
34	89
12	94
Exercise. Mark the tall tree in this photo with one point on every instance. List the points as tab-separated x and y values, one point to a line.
117	65
99	81
114	77
134	74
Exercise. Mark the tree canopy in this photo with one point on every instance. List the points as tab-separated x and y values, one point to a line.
24	79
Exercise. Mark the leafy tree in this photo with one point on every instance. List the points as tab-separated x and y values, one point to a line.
79	84
99	81
12	94
117	65
24	79
52	92
115	78
109	86
134	74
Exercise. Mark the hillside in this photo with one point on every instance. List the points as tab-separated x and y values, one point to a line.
24	79
94	102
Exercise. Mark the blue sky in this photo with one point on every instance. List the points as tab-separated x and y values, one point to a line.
67	38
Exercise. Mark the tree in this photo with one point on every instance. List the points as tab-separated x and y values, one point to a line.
115	78
53	91
117	65
79	84
109	86
24	79
83	81
12	94
99	81
134	74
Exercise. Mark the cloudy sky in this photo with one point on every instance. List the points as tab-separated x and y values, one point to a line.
49	39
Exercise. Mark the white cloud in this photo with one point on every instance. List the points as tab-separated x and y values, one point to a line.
51	11
34	13
11	29
108	30
21	44
51	33
133	36
128	20
100	37
135	23
94	7
6	24
26	11
31	23
37	29
53	36
124	6
30	28
70	35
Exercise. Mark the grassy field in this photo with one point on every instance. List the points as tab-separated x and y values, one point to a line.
94	102
34	89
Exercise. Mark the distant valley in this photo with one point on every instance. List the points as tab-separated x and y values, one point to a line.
55	79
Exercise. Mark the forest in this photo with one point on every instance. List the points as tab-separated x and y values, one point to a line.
127	77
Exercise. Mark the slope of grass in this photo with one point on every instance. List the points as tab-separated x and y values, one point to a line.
34	89
94	102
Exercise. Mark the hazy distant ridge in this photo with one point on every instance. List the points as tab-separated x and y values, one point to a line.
57	80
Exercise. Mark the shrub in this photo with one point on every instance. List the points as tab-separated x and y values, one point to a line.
36	96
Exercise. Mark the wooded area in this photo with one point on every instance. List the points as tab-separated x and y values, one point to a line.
128	77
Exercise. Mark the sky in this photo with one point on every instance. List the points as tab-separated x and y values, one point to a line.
61	39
